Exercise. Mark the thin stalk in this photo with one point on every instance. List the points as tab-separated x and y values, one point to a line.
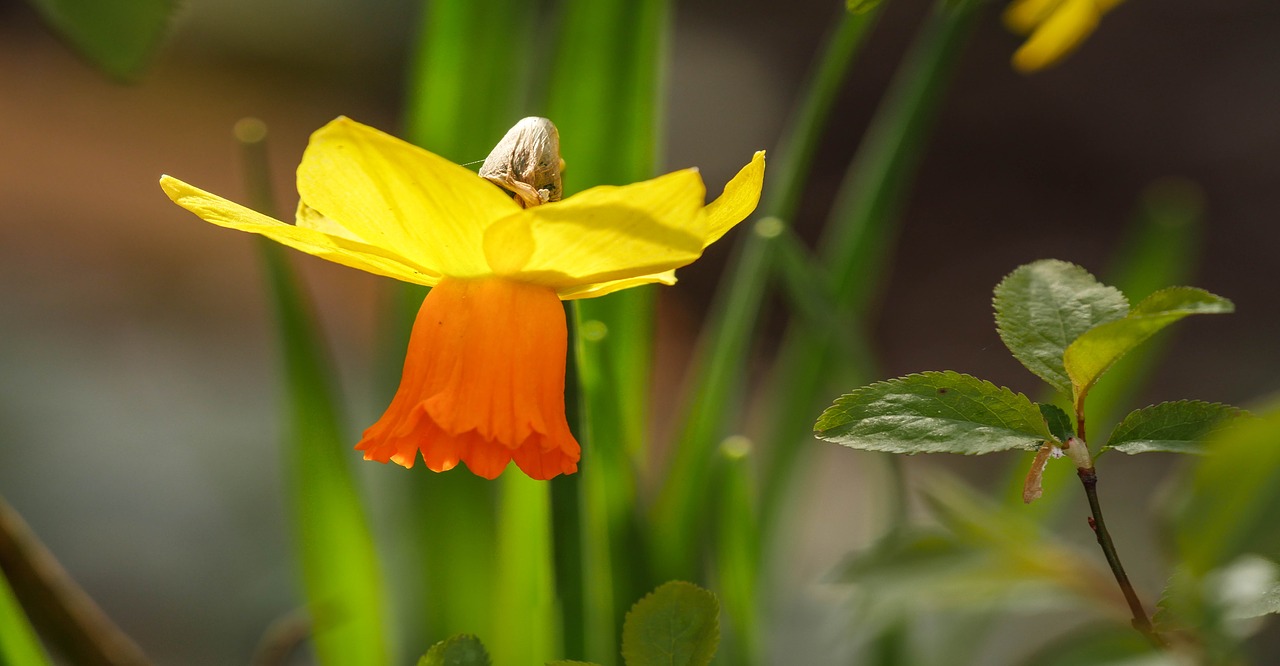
61	608
1089	477
603	91
722	349
340	568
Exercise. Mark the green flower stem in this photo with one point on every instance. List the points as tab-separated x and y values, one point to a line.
62	609
1089	477
568	513
723	348
525	614
469	83
858	233
603	93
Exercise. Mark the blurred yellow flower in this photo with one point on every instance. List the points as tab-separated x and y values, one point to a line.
1056	28
484	374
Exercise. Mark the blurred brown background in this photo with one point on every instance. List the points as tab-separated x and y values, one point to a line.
138	415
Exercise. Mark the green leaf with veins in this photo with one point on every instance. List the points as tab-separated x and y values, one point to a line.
1057	420
1091	354
1172	427
934	412
677	624
1042	307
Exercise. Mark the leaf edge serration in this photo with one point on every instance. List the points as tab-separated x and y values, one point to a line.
844	399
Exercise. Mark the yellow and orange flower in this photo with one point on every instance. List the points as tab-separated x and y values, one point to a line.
484	374
1055	28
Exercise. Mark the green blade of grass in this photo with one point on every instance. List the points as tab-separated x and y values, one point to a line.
723	350
859	233
340	569
19	645
339	565
468	80
118	37
603	94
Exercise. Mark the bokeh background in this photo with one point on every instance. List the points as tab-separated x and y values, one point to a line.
138	375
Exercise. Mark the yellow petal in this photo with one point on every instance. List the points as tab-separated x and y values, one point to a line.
1022	16
601	288
396	196
740	197
1059	35
603	234
335	248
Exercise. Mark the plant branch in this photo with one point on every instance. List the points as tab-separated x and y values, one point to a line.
1089	477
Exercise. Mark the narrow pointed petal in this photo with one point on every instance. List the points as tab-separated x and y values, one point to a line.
603	234
741	196
483	384
393	194
1059	35
340	249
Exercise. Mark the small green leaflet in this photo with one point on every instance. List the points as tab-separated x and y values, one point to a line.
677	624
934	412
1042	307
1173	427
1057	420
1096	350
460	650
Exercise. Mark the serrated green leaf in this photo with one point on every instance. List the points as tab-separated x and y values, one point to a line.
1173	427
677	624
118	36
1231	505
1097	349
933	412
1042	307
1057	420
460	650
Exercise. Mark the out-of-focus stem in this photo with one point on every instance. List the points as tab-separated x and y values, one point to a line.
1089	477
857	236
723	348
60	607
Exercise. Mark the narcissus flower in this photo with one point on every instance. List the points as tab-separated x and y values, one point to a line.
1056	28
483	378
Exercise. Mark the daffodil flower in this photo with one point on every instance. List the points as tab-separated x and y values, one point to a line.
483	377
1056	28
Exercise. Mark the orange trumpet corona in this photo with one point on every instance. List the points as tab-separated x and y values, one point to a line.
483	383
